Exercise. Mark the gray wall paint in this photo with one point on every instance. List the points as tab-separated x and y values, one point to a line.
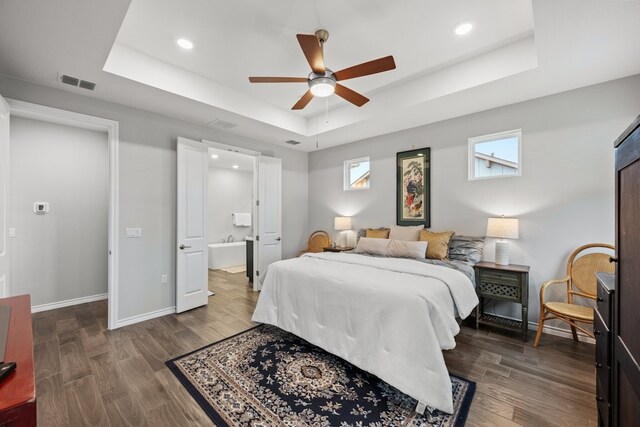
230	191
148	190
563	199
62	254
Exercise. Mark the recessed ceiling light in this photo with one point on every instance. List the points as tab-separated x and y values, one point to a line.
463	28
214	156
235	166
185	44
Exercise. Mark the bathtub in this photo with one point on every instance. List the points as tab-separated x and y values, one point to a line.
225	255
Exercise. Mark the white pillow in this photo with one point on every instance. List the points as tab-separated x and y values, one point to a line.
402	249
367	245
409	233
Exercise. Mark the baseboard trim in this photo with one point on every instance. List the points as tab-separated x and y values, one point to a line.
146	316
554	330
561	332
67	303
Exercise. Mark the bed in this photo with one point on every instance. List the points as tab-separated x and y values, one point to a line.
391	317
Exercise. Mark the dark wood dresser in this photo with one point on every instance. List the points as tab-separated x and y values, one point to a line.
625	333
602	325
18	390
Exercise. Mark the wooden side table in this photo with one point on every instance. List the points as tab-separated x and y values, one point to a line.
336	249
18	390
504	283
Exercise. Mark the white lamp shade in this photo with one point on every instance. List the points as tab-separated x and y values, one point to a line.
502	228
342	223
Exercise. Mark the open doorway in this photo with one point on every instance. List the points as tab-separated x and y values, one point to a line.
194	236
230	217
61	208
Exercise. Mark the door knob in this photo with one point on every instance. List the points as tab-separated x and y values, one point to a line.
278	239
184	247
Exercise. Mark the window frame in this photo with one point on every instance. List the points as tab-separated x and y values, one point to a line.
514	133
346	184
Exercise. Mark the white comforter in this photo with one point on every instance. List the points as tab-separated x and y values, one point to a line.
391	317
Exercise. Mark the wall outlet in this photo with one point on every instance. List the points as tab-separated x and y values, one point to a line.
12	232
164	279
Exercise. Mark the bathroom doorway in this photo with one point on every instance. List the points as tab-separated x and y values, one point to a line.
230	216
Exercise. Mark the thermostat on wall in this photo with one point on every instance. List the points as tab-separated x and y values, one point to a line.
40	208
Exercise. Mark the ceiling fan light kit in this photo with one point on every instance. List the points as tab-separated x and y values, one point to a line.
322	81
322	85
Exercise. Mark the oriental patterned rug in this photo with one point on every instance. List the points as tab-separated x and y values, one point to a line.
268	377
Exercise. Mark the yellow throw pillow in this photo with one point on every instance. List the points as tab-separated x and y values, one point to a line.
382	233
438	246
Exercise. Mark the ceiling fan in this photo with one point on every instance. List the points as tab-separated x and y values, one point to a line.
322	81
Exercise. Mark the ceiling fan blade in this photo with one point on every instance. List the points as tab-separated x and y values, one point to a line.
372	67
312	51
353	97
306	98
278	79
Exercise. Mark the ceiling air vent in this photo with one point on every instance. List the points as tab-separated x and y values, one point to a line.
292	142
74	81
69	80
87	85
222	124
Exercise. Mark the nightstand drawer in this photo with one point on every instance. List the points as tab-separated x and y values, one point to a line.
494	276
500	291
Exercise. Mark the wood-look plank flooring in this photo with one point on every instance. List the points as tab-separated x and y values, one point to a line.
89	376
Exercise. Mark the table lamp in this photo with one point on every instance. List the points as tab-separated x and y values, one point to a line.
342	224
502	228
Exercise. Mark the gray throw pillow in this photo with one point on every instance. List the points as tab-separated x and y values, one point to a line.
466	248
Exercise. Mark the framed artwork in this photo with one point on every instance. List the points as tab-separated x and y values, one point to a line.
413	187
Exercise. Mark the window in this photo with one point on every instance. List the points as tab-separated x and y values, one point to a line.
356	174
495	156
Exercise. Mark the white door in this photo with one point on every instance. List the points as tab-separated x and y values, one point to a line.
269	234
191	263
4	177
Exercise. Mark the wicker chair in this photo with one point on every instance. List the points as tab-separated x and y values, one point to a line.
580	280
318	240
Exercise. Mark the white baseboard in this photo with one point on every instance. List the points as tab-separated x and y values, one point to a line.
554	330
67	303
146	316
561	332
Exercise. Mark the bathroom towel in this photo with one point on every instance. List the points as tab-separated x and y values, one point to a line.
242	219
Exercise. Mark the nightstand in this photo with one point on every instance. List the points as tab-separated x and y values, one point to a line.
337	249
504	283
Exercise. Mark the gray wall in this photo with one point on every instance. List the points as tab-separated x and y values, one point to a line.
230	191
148	190
60	255
564	197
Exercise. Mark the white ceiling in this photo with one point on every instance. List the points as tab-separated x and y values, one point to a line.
227	158
518	50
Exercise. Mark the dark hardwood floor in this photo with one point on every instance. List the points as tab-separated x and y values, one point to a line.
89	376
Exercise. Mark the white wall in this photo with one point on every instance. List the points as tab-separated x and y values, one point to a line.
230	191
4	177
62	254
148	190
564	197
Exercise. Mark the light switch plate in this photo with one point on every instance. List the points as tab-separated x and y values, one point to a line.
164	279
132	233
12	232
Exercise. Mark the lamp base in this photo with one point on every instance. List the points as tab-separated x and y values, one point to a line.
342	239
502	253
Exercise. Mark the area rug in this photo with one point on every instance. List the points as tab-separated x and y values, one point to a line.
268	377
